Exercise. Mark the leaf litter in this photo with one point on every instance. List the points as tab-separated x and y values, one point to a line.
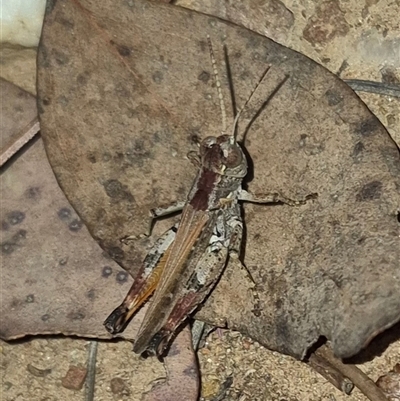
329	268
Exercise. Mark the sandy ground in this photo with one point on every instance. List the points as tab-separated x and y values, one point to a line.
367	35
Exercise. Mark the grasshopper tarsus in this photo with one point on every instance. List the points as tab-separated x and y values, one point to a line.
274	197
116	321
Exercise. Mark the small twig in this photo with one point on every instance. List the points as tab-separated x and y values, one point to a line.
354	374
91	374
381	88
330	373
23	137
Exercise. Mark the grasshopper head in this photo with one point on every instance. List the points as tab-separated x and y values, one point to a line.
224	156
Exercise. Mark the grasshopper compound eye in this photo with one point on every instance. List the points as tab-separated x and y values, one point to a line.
233	155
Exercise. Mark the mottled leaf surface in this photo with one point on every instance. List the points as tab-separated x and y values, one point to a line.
54	278
121	100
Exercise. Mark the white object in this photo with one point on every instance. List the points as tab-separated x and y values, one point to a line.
21	21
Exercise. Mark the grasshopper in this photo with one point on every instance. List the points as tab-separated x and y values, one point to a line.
186	261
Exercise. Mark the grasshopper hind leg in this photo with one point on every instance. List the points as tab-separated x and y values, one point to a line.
144	284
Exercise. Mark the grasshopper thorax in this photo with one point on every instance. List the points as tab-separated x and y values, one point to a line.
223	156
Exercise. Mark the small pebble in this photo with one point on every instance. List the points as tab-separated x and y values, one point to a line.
74	378
118	386
33	370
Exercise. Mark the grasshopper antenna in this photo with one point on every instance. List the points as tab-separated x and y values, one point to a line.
235	121
218	84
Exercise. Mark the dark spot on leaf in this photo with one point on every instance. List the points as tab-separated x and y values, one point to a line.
75	225
138	153
368	127
4	225
204	77
82	79
92	158
30	299
19	236
358	148
91	294
15	217
7	248
158	77
190	372
370	191
65	22
122	277
123	50
33	193
63	261
257	236
76	315
116	253
64	213
303	140
45	317
334	98
106	272
114	189
60	58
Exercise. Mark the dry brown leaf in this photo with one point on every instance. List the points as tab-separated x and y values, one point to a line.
55	279
121	99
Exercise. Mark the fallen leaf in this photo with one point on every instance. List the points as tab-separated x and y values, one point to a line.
120	102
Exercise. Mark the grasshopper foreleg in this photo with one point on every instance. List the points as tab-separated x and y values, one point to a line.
164	211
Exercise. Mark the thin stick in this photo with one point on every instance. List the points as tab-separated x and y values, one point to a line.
218	84
381	88
91	375
23	137
352	372
330	373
